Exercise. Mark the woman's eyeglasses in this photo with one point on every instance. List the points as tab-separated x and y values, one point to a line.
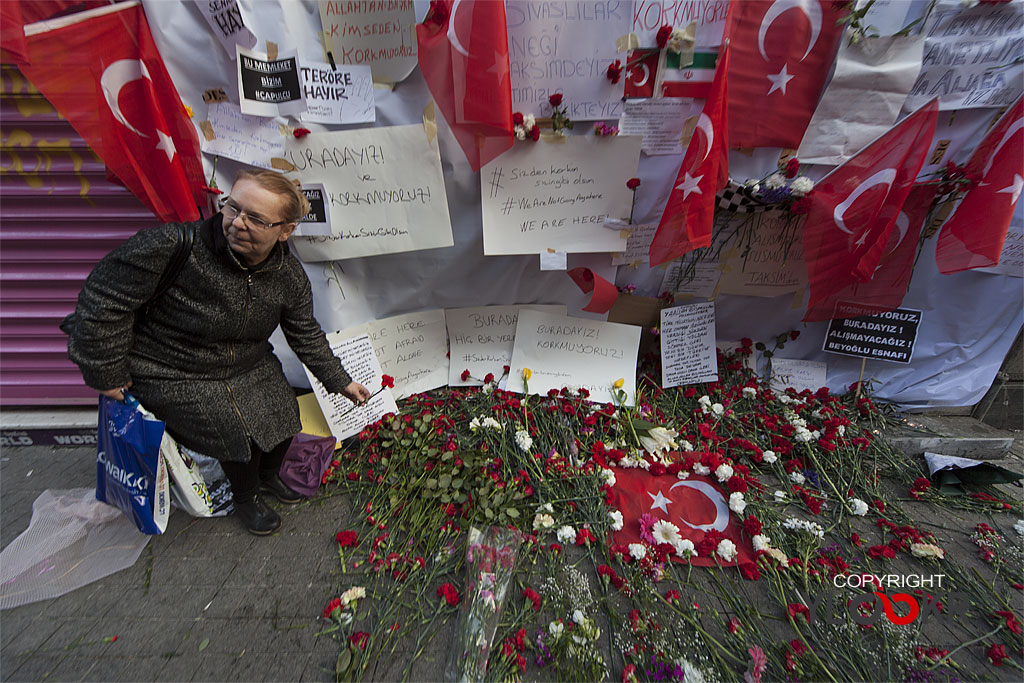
232	211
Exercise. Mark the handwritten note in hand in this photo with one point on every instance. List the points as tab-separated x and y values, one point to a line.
557	195
343	417
688	345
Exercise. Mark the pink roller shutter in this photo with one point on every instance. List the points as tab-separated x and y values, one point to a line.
58	216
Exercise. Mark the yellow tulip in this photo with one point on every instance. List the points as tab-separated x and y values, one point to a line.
527	374
619	382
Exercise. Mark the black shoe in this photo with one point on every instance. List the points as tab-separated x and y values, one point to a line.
273	486
257	517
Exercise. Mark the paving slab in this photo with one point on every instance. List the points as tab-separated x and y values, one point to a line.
957	435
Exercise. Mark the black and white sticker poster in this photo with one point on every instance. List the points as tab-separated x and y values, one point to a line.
269	87
888	336
318	220
227	23
342	94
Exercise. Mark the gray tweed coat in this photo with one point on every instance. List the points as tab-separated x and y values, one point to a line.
199	356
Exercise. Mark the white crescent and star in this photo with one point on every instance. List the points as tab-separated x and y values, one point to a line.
453	37
690	185
704	123
647	75
810	8
660	502
779	80
117	75
1014	188
883	177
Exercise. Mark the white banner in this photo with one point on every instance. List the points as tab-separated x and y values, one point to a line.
337	95
253	140
381	35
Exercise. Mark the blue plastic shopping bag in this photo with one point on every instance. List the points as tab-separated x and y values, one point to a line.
130	474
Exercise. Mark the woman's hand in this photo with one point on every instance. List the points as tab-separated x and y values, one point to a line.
356	393
118	393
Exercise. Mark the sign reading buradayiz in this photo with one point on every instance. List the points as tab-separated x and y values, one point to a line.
888	336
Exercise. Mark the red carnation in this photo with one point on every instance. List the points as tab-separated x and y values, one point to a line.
300	133
633	183
792	168
387	382
996	654
533	596
359	639
752	525
535	133
555	100
347	539
331	606
614	72
749	571
517	119
488	378
664	33
796	608
449	593
465	375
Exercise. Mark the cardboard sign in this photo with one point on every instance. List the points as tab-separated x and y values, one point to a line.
557	195
318	220
688	345
381	35
888	336
384	186
481	340
253	140
574	352
767	269
799	374
269	87
337	95
228	24
343	417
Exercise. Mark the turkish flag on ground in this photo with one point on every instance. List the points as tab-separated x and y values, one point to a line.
973	237
101	70
689	214
782	55
696	505
854	209
464	60
887	287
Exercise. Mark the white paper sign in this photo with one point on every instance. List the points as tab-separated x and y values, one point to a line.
703	284
768	269
226	20
565	47
971	56
381	35
799	374
252	140
269	87
556	195
482	338
659	122
385	187
650	15
1011	262
638	245
574	352
343	418
688	345
341	95
412	348
553	260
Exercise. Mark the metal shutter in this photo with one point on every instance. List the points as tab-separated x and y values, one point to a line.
58	216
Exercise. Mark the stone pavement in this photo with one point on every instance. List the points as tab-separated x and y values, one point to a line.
254	602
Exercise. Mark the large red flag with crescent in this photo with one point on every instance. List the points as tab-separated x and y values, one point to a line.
689	214
101	70
855	208
973	236
463	55
696	505
891	279
782	54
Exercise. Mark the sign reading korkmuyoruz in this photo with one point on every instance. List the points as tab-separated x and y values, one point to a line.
888	336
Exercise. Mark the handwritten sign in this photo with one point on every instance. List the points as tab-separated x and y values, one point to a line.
560	47
343	418
1011	261
767	269
799	374
702	284
971	57
638	244
412	348
385	188
888	336
659	122
228	24
650	15
253	140
269	87
337	95
549	195
688	345
381	35
482	338
574	352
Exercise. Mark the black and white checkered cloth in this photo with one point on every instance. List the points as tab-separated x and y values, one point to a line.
738	199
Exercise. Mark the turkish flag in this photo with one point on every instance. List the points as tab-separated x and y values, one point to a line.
641	73
689	214
101	70
463	55
14	14
696	505
783	52
855	208
973	236
891	279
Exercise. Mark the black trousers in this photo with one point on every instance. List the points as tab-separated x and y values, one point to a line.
245	477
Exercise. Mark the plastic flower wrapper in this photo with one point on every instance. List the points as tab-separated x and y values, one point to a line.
490	563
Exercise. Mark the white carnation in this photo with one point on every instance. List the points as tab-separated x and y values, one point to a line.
616	517
775	181
726	550
638	551
761	542
717	409
491	423
770	457
749	392
736	503
609	476
1019	527
780	496
724	472
702	470
542	522
858	507
523	440
797	478
685	548
529	121
686	445
801	185
566	534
